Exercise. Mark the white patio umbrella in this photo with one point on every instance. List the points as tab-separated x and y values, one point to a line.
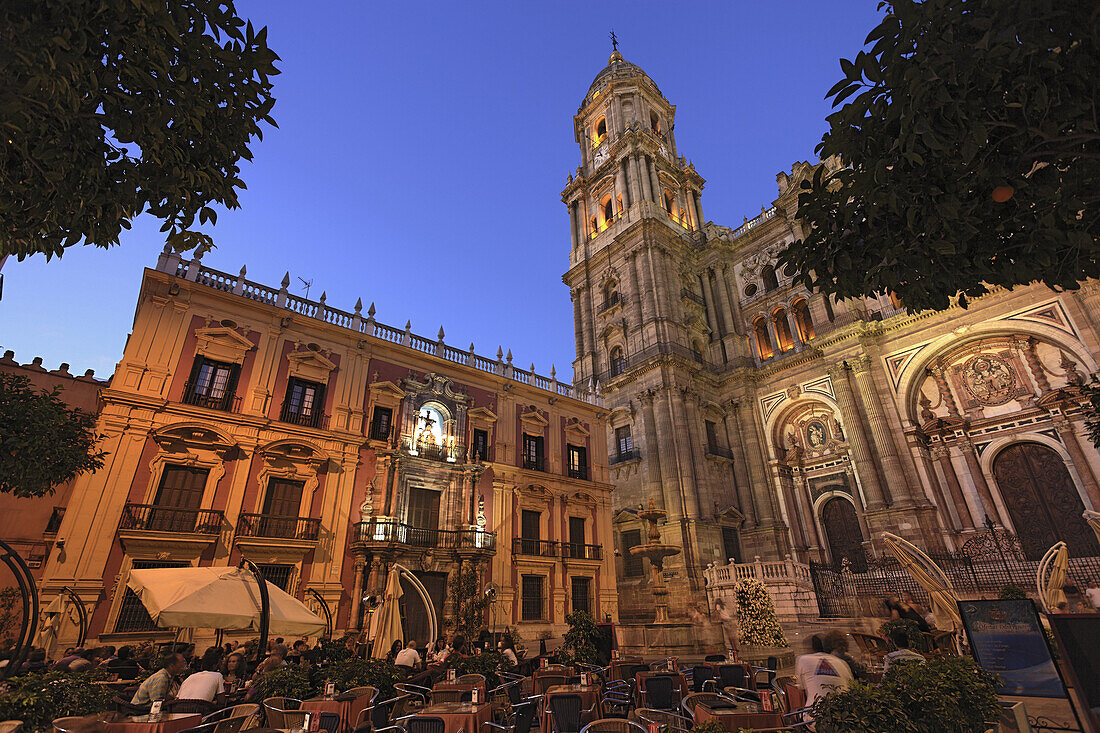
387	619
1054	565
929	576
1093	518
219	598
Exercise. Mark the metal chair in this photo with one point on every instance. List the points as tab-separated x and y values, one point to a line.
231	725
694	699
205	728
295	719
630	671
275	707
416	692
357	692
244	710
545	681
613	725
468	679
568	712
125	707
425	724
700	676
714	658
376	717
522	721
741	694
187	705
732	675
672	722
452	696
658	694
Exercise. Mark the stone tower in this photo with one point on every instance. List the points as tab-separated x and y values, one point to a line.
649	326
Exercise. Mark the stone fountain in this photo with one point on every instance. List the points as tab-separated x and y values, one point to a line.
656	552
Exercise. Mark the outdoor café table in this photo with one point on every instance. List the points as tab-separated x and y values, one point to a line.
619	665
679	684
168	723
590	698
463	686
460	717
340	707
735	719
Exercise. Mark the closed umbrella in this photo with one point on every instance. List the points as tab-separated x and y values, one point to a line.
219	598
1053	566
929	576
1093	518
388	618
51	624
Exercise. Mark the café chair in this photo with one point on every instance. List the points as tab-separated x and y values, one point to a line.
613	725
701	678
415	692
732	675
11	726
568	712
357	692
452	696
472	679
658	694
249	711
670	722
630	671
70	723
376	717
522	720
694	699
185	705
875	648
714	658
276	707
425	724
741	694
545	681
127	708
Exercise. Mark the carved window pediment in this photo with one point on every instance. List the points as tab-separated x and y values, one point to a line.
222	343
533	421
294	452
481	416
310	365
187	437
625	516
582	498
386	394
577	431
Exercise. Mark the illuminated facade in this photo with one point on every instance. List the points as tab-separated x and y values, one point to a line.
246	422
769	420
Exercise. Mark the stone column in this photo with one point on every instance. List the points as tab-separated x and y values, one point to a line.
974	466
805	506
698	208
772	338
573	224
357	595
857	438
792	324
387	464
620	189
651	461
634	179
724	305
740	470
1077	456
897	485
754	454
578	321
640	166
655	182
635	294
708	299
942	456
647	299
688	485
798	532
670	480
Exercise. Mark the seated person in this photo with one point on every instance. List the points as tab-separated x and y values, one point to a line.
408	657
159	685
124	665
206	684
903	653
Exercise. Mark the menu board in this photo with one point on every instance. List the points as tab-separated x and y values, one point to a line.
1007	639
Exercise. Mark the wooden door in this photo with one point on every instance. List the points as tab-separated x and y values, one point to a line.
843	533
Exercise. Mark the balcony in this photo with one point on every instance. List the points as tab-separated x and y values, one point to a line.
573	551
623	457
181	532
580	472
226	402
691	295
267	536
534	548
449	453
717	450
609	303
534	464
386	534
269	525
312	419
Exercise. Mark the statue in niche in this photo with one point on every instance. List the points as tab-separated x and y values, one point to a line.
815	434
366	509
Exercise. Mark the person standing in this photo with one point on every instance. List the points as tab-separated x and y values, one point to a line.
1093	594
821	672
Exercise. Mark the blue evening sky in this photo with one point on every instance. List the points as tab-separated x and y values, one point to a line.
422	149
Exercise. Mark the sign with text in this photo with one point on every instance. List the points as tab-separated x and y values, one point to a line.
1007	639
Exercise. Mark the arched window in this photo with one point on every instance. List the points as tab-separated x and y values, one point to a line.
594	226
697	351
617	361
655	122
668	203
763	343
803	320
608	211
782	330
601	131
770	280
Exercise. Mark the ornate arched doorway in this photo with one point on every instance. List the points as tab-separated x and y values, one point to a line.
843	533
1042	500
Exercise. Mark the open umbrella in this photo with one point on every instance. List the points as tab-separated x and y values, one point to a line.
387	619
219	598
1054	565
929	576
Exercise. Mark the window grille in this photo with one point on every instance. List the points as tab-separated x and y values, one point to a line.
532	598
132	616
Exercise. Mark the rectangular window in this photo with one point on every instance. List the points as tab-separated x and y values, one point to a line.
530	532
132	615
578	461
532	452
623	441
712	436
582	594
632	564
303	403
731	543
282	506
381	423
278	575
481	445
213	384
531	594
423	517
576	537
178	499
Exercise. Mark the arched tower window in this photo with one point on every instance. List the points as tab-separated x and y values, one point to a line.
763	343
617	361
608	207
601	132
655	122
803	320
669	203
782	330
769	278
697	351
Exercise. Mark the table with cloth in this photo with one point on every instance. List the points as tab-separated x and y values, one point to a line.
459	717
734	719
680	685
590	698
347	708
168	723
462	687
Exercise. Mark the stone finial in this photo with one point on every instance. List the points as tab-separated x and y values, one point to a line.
500	353
553	372
532	368
471	347
36	363
408	326
244	271
440	335
371	311
9	357
323	298
90	373
286	281
358	305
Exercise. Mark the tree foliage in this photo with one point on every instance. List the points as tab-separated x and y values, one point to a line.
758	623
965	154
112	108
43	442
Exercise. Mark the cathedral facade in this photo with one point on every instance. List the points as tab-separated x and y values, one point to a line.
768	420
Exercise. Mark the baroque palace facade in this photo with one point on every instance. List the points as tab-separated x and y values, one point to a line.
244	422
771	421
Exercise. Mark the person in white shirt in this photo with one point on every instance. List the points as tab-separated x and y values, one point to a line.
820	673
508	651
207	684
903	653
408	657
1093	594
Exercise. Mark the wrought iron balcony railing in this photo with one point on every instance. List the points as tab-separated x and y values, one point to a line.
450	453
717	450
226	403
313	419
151	518
581	552
396	533
608	303
580	472
534	548
623	457
269	525
534	464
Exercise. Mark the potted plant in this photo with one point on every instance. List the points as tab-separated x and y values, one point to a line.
38	699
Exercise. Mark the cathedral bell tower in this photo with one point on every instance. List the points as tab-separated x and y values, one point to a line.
645	326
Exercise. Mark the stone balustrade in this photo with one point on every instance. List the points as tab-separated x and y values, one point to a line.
788	582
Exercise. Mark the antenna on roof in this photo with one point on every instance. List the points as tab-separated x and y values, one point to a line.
308	284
